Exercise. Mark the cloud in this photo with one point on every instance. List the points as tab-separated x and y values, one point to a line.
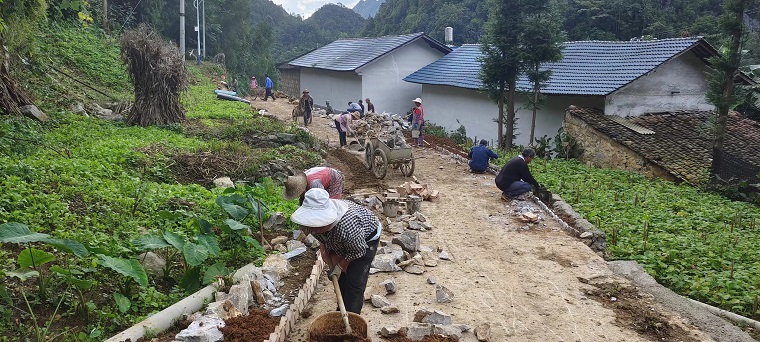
307	7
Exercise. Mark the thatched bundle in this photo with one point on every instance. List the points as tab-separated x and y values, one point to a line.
157	70
12	96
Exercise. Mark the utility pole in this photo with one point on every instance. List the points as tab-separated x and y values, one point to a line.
204	29
197	4
182	28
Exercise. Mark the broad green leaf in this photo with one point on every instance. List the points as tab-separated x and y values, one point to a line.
150	241
166	215
191	280
14	232
235	225
194	253
32	257
258	207
69	276
216	270
122	302
252	241
69	246
174	239
204	227
23	275
211	243
126	267
233	206
98	250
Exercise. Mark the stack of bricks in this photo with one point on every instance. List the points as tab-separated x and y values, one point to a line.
413	188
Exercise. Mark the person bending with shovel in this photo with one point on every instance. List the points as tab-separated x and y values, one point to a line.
348	234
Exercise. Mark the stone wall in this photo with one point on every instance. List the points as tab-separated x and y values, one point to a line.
601	151
290	81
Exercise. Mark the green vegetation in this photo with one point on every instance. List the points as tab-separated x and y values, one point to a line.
84	197
697	243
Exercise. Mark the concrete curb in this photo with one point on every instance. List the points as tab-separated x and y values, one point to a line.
288	322
166	318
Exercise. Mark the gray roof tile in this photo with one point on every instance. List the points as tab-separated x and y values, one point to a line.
587	67
352	54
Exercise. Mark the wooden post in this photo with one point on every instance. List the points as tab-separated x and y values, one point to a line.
261	224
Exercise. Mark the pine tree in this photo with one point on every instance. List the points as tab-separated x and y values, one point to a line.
721	80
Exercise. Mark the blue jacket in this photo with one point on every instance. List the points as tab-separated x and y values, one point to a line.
269	84
480	156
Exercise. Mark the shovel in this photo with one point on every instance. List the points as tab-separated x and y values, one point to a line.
342	306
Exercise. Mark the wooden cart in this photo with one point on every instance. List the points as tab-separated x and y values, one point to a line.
378	156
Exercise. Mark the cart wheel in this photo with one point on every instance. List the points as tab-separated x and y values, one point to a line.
407	169
379	164
368	155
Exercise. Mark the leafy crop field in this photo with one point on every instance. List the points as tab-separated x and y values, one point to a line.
83	199
698	244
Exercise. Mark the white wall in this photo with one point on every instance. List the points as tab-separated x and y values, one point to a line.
382	80
678	84
444	105
333	86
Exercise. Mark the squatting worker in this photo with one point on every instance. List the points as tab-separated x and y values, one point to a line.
479	157
418	119
319	177
515	178
348	234
306	103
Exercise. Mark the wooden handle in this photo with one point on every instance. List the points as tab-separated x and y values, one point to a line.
342	306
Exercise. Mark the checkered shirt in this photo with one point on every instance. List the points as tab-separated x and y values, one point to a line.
349	237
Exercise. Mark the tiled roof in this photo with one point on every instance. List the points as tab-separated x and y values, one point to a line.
682	142
587	67
351	54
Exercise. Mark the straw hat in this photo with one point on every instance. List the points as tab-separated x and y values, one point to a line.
306	90
418	100
294	186
318	210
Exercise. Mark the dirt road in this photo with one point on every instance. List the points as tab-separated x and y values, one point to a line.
536	284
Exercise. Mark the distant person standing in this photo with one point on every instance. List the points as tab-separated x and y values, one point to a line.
268	85
363	109
254	84
418	120
306	103
370	106
480	156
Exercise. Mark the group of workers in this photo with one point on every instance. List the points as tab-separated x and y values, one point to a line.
268	87
349	233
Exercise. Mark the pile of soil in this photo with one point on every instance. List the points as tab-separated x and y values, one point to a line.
255	327
638	313
355	172
334	331
445	143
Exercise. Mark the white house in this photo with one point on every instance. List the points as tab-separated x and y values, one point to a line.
353	69
624	78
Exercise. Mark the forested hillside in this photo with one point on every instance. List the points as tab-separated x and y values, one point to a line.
584	19
368	8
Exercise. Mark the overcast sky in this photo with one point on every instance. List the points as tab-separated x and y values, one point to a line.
307	7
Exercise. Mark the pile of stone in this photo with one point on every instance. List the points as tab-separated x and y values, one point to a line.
375	124
413	189
404	253
427	323
254	287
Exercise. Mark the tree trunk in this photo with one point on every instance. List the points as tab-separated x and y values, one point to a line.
535	109
105	16
500	129
511	113
728	93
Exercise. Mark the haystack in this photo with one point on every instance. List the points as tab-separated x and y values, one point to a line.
158	73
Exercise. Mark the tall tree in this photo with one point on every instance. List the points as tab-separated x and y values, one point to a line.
721	81
544	37
502	61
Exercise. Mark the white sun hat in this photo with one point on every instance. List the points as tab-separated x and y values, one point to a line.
318	210
418	100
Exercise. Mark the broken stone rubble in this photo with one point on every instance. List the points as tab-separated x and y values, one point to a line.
427	323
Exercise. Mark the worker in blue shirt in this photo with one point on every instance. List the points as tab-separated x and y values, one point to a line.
480	156
268	85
